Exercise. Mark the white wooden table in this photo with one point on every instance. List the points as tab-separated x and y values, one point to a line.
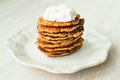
102	15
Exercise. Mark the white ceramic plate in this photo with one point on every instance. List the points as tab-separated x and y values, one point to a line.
94	51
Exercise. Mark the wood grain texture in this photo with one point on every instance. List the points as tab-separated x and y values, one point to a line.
102	15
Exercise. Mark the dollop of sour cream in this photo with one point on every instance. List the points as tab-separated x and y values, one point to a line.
61	13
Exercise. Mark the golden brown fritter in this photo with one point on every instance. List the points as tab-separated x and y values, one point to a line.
63	44
59	54
73	33
50	29
70	47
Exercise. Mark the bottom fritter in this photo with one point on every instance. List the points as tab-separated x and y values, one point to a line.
60	53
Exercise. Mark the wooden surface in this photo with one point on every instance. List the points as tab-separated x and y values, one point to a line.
102	15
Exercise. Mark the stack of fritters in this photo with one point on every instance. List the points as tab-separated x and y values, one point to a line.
60	38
